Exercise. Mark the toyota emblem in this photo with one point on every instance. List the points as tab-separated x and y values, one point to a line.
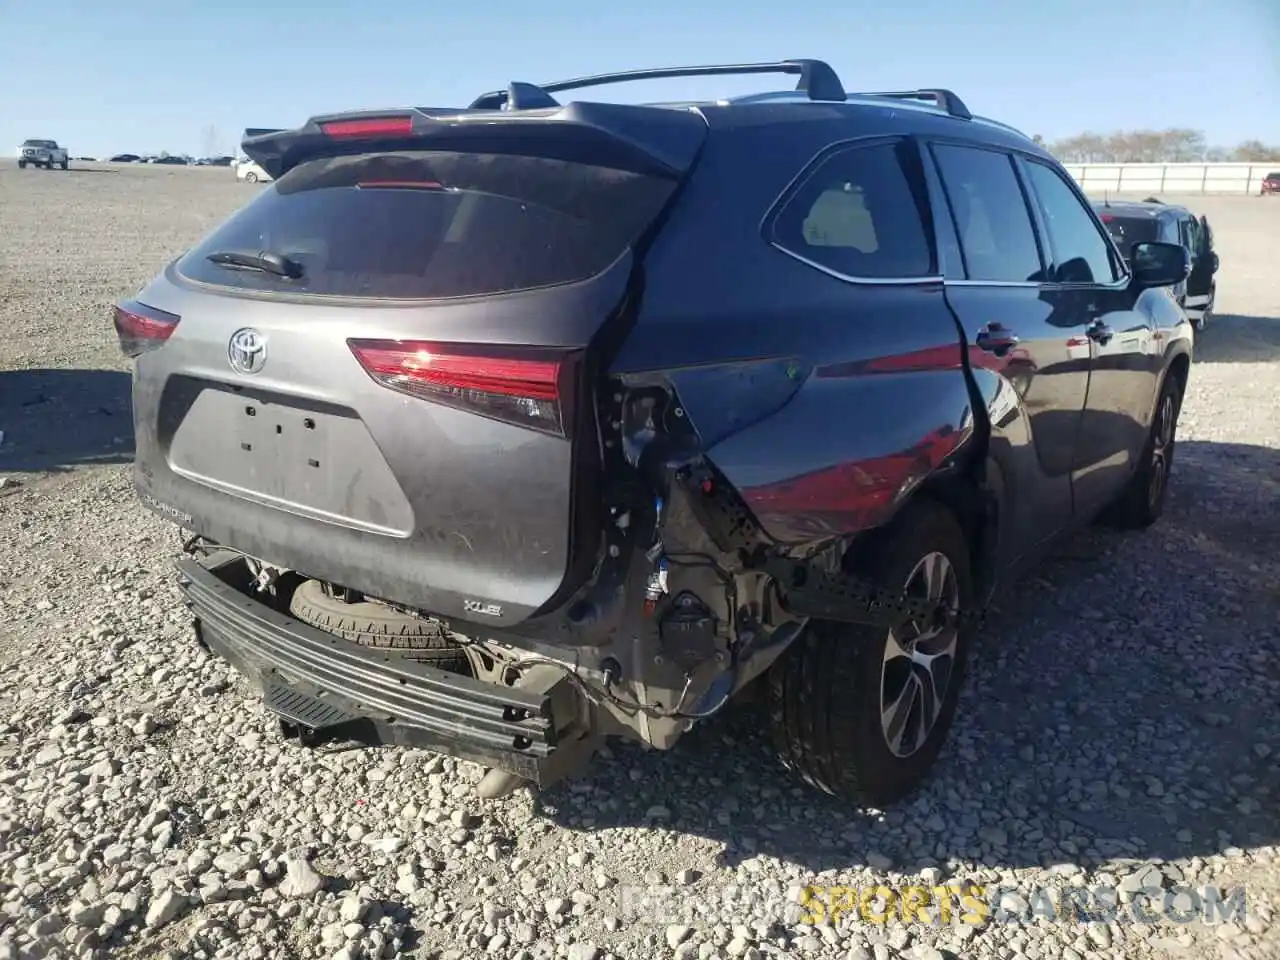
247	350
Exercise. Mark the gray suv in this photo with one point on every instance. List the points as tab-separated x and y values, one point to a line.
502	429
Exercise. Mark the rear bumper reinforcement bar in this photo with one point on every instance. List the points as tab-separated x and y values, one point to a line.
314	681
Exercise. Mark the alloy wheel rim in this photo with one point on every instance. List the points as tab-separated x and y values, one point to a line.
919	661
1161	451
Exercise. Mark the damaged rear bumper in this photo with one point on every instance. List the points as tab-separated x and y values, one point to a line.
322	683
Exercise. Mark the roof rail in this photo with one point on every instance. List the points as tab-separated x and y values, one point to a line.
945	99
817	80
1003	126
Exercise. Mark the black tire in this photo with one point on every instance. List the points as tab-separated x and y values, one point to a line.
1141	502
824	695
65	164
377	625
250	177
22	164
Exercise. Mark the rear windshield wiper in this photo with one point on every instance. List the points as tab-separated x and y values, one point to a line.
263	260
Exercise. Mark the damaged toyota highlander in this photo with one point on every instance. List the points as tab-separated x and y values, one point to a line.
505	429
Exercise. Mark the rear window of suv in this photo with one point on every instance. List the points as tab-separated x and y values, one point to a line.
1126	231
433	225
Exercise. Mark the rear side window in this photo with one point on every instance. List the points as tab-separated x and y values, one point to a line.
860	214
991	216
1081	253
433	225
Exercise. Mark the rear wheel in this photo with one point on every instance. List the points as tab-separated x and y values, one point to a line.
22	164
862	713
250	177
377	625
1141	503
65	164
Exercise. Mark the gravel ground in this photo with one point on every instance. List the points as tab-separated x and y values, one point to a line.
1119	728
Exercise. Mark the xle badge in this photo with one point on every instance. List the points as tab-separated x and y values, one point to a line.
487	609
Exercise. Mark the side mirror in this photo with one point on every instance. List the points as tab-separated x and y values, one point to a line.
1157	264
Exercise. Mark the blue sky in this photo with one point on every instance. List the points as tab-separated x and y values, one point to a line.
107	76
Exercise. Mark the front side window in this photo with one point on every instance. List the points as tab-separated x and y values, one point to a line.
860	215
1080	251
991	217
1194	238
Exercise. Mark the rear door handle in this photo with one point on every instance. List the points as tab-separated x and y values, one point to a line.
996	338
1099	332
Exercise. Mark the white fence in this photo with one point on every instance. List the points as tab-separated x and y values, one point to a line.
1162	178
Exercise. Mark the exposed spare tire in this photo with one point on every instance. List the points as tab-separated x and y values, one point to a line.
378	626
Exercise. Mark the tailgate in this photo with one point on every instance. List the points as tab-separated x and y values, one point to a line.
412	415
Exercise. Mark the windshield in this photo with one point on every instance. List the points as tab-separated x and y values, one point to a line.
41	143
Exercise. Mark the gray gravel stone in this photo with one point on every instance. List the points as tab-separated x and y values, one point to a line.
165	908
1114	728
301	879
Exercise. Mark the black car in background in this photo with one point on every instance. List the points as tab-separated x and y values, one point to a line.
1131	222
538	423
125	158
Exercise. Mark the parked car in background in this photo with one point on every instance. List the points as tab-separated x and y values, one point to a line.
1131	222
1271	183
43	153
221	161
250	172
173	161
583	480
125	158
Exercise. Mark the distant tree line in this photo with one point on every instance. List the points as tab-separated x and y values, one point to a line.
1156	146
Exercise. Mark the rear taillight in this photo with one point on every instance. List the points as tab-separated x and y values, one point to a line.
526	387
142	328
369	127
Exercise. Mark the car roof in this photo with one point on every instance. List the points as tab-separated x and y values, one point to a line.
1139	208
819	102
786	105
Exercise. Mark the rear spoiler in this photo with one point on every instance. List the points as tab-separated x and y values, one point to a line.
651	140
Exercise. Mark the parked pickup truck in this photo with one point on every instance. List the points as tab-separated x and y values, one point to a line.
42	153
